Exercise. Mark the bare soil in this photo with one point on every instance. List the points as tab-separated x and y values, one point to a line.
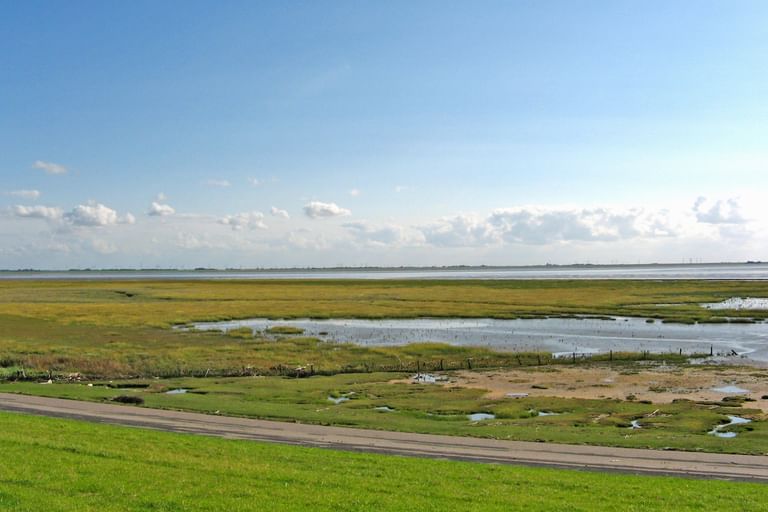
661	384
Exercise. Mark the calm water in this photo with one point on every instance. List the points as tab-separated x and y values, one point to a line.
557	335
721	271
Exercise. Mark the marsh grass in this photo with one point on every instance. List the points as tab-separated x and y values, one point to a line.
123	329
682	425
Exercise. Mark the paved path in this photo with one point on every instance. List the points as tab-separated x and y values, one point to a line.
702	465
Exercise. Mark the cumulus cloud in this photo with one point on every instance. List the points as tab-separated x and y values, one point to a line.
277	212
538	226
459	230
49	167
161	197
160	210
25	194
718	212
92	214
388	235
38	212
246	220
354	192
217	183
317	210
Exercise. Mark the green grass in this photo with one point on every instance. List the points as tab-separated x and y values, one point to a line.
440	410
123	329
63	465
285	329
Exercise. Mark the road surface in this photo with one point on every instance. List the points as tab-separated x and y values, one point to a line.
628	460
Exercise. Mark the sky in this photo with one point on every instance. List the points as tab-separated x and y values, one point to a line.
279	134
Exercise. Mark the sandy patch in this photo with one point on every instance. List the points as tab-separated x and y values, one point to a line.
659	384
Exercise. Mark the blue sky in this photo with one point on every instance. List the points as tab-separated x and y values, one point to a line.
389	133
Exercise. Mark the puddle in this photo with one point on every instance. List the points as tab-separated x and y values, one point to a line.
731	390
635	424
738	303
384	408
426	378
180	391
480	416
338	400
560	336
549	413
734	420
516	395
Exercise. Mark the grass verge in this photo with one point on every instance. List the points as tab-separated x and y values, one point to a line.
63	465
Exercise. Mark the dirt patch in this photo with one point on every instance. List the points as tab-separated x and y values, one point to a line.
659	385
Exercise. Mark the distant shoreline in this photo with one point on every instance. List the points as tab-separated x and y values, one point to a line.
657	271
547	266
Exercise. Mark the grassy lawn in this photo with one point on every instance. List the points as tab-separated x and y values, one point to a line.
123	329
63	465
682	425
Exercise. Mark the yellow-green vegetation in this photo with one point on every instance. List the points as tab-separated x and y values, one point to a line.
64	465
372	401
123	329
285	329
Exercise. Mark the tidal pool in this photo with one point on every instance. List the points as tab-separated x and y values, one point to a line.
733	420
480	416
560	336
739	303
735	390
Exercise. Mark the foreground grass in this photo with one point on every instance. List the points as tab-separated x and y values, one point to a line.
63	465
438	410
123	329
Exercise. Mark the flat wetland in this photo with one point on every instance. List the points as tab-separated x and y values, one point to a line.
102	340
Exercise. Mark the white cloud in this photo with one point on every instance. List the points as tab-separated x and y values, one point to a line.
161	197
38	212
246	220
255	182
49	167
217	183
25	194
389	235
718	212
277	212
354	192
539	226
160	210
400	188
459	230
317	209
92	214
